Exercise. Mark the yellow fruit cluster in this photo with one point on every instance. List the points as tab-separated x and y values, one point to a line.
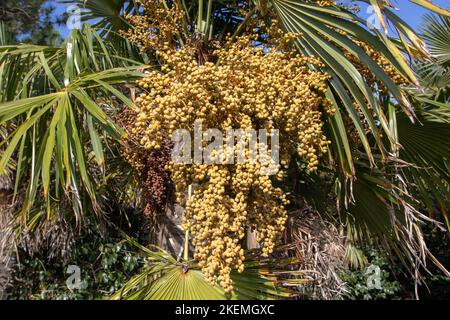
248	87
388	68
323	3
159	26
227	201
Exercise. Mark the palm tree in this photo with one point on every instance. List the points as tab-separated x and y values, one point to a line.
432	98
60	104
434	73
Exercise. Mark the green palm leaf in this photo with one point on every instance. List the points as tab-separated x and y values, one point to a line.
429	174
432	7
109	18
55	97
107	14
164	278
434	73
329	32
6	36
436	33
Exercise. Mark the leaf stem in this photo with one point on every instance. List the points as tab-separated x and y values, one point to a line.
200	16
208	19
186	237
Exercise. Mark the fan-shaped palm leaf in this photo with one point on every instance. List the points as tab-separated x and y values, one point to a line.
164	278
436	33
429	174
434	73
329	32
54	95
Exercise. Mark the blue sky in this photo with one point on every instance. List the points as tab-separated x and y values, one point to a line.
412	13
409	12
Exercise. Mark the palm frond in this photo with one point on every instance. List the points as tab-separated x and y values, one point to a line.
6	36
426	148
109	18
432	7
434	73
164	278
55	95
106	15
436	33
330	32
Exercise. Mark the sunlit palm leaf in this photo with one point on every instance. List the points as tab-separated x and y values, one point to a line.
55	94
166	279
434	73
107	15
432	7
109	18
328	32
436	33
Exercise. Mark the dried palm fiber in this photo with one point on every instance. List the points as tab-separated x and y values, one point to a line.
55	240
320	248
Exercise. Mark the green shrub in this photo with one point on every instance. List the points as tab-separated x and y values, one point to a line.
105	263
359	282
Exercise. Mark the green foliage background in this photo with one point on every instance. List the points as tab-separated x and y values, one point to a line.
106	263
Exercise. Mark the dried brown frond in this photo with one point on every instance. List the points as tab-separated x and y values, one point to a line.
320	248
